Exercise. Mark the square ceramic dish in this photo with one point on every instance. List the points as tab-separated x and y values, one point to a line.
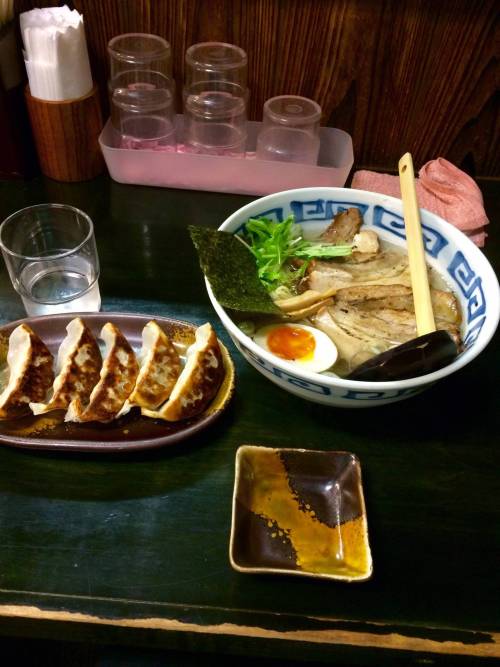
298	511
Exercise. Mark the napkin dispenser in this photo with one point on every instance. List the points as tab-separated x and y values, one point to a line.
66	136
63	104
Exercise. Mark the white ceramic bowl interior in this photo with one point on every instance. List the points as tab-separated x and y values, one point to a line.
458	260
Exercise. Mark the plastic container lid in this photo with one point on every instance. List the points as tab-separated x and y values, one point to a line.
292	110
143	100
215	57
139	48
214	104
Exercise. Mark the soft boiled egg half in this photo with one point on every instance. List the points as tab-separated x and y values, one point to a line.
299	344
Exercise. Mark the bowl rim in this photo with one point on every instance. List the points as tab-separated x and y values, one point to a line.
490	279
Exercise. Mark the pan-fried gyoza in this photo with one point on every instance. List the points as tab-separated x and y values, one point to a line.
89	389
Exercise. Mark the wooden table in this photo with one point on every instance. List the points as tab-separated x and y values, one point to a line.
134	549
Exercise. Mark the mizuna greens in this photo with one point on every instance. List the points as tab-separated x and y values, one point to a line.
275	244
244	270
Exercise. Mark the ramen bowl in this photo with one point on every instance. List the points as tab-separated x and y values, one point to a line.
462	265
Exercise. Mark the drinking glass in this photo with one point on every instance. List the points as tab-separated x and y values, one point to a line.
216	61
290	130
51	257
215	120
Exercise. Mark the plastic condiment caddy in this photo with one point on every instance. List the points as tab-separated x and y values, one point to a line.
240	175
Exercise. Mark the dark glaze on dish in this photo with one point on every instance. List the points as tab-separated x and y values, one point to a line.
300	511
129	428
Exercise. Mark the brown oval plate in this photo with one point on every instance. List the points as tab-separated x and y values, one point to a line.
130	432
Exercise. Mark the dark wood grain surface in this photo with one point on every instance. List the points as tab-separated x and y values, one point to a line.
66	136
134	549
399	75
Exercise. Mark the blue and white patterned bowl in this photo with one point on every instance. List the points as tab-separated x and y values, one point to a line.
463	265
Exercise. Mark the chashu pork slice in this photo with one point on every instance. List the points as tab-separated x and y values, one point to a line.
399	297
199	381
117	380
160	368
384	324
387	268
352	350
30	372
78	364
360	334
344	227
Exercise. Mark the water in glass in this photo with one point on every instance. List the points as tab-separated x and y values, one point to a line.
63	286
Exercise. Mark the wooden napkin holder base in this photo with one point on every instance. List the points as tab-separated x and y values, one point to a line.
66	135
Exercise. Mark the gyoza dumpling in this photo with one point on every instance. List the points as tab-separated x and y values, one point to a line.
31	373
199	381
78	365
117	379
160	369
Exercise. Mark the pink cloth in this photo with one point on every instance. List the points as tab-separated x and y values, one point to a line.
441	188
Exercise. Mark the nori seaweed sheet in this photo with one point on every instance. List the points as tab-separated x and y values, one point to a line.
231	271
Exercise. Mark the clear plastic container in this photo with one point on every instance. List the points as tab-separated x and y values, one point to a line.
140	79
290	131
216	61
144	118
249	176
139	51
215	119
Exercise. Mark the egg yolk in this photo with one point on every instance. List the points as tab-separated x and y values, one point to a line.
291	343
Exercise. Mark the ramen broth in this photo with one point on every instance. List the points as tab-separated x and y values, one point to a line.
368	348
